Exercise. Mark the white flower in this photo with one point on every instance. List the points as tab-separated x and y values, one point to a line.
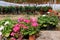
0	33
43	15
1	28
48	12
7	22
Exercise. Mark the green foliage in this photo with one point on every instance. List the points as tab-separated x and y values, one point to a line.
22	9
7	27
26	9
31	30
6	9
12	9
46	8
46	20
0	8
38	8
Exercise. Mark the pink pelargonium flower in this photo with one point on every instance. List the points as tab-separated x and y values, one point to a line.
20	19
33	20
16	28
34	24
25	27
12	38
17	25
12	34
27	21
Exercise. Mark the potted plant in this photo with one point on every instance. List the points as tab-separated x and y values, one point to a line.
12	30
29	27
48	22
6	26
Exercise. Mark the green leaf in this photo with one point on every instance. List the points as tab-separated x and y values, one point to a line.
33	32
7	34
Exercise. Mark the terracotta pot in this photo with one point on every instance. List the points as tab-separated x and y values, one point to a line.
32	37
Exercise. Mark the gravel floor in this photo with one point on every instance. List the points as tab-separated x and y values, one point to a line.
49	35
14	17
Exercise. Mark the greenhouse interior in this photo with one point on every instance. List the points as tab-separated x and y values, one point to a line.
29	19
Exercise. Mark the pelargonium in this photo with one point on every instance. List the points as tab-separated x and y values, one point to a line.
12	34
34	24
24	27
27	25
16	28
27	21
33	19
20	19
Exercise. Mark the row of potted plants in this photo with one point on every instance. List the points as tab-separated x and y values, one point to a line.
17	30
25	9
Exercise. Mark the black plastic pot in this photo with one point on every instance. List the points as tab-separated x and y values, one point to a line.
26	37
49	27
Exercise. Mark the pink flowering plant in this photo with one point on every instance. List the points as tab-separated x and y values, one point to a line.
21	28
28	26
24	27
